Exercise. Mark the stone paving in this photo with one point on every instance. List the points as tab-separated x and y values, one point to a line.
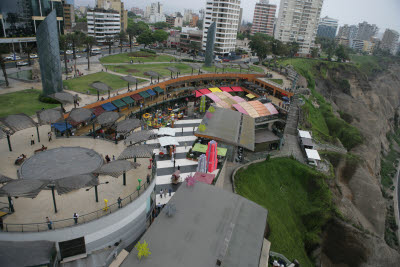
80	201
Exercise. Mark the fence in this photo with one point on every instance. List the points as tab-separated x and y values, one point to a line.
43	226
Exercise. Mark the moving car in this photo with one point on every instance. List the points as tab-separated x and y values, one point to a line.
69	52
13	57
33	56
22	63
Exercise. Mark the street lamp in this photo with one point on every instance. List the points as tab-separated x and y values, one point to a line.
95	190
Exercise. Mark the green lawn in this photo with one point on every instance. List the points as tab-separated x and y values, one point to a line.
278	81
233	70
26	101
125	58
82	84
139	69
298	203
371	64
315	121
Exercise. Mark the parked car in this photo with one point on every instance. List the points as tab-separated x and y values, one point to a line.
226	60
69	52
22	63
13	57
33	56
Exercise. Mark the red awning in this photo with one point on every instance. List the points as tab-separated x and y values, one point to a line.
198	94
97	110
284	94
137	97
237	88
226	89
204	91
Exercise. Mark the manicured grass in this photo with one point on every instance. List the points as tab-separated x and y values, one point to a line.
139	69
82	84
233	70
278	81
26	101
298	203
126	58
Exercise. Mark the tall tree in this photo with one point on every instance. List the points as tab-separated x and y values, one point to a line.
342	54
160	36
28	50
195	46
260	44
109	40
314	52
145	38
63	41
122	38
161	25
293	48
3	51
131	33
75	40
89	42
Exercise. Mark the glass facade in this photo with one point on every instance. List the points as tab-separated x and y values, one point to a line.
49	54
22	17
210	45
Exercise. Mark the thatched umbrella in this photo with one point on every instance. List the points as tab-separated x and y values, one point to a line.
152	75
194	67
173	70
116	168
130	79
99	86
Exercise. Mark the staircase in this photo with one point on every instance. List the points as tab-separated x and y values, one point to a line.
293	117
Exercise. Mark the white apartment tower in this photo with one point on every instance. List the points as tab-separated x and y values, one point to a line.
226	14
102	23
298	22
263	19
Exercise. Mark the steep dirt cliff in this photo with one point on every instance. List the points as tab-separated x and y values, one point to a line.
370	103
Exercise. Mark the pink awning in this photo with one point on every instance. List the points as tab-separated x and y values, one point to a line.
226	89
271	108
240	109
238	99
204	177
213	97
198	94
237	88
204	91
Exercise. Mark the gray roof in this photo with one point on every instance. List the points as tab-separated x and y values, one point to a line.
23	188
172	69
18	122
28	253
209	224
63	97
140	136
152	74
100	86
80	114
49	116
4	179
307	142
116	168
194	66
108	118
244	66
128	125
68	184
265	136
140	151
129	79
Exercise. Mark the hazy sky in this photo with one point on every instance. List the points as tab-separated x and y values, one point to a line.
384	13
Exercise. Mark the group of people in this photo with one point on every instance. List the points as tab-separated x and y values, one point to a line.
108	159
164	192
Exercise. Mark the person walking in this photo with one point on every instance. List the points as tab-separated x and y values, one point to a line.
165	193
107	158
49	223
32	140
119	202
148	179
161	193
113	157
50	135
179	168
174	163
76	216
169	191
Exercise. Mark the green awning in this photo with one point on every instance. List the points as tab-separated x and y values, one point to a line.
118	103
158	89
144	94
203	149
128	100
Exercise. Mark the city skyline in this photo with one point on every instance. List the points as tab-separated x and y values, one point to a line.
347	12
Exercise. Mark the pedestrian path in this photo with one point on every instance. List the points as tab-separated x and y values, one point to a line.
184	134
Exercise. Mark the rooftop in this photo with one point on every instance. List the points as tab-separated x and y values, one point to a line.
210	224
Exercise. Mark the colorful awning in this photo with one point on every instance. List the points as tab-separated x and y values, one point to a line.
60	126
237	88
213	97
198	94
144	94
251	96
150	92
240	109
204	91
136	97
108	107
128	100
158	90
226	89
118	103
97	110
271	108
214	89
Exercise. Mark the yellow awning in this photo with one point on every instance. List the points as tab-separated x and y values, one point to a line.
251	96
215	89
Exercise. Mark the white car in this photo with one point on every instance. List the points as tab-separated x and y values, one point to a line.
78	56
11	57
33	56
69	52
22	63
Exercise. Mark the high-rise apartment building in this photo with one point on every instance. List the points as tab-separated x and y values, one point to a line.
154	13
346	34
298	22
263	19
21	18
102	23
327	27
366	31
69	14
389	41
226	14
187	15
116	5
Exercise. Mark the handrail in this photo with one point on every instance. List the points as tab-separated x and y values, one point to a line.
85	218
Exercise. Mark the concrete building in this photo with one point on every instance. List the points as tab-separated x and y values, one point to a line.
187	15
298	22
194	20
175	20
366	31
174	39
202	13
327	27
226	14
389	41
357	44
263	19
154	13
368	47
347	32
243	45
116	5
137	11
103	23
69	14
190	36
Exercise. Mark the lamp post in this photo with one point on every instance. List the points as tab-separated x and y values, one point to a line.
124	178
95	190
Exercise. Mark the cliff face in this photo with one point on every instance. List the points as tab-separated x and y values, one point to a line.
371	104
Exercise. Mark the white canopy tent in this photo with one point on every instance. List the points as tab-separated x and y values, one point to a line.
168	141
312	154
166	131
304	134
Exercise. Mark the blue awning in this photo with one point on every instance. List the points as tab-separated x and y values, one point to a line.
108	107
151	92
60	126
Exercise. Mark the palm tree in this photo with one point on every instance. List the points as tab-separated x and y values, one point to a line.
121	37
29	49
75	39
131	33
109	40
63	40
89	41
3	51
